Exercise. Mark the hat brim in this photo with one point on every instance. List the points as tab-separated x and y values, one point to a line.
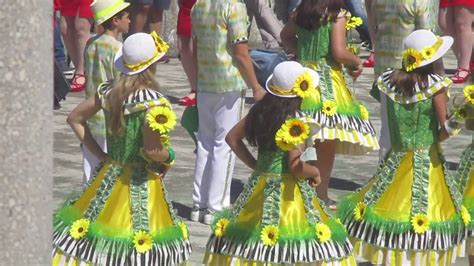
269	82
111	13
447	43
120	64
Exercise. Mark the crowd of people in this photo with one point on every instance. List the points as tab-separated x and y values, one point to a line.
412	211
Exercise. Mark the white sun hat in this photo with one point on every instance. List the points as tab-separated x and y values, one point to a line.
105	9
290	79
423	47
139	51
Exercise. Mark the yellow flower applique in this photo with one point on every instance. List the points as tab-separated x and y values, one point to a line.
420	223
359	211
184	230
292	133
465	215
269	235
142	241
79	228
304	85
161	119
329	108
323	232
411	59
353	22
364	114
468	92
428	52
221	227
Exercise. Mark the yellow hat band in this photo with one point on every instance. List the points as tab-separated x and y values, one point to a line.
278	91
161	48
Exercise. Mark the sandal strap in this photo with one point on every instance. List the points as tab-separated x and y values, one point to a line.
460	69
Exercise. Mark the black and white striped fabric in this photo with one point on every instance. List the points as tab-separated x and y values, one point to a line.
405	241
291	252
340	121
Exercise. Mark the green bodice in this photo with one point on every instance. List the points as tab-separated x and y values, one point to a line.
412	125
125	147
275	162
314	45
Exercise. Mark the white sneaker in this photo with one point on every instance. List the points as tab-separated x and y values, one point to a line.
208	217
196	214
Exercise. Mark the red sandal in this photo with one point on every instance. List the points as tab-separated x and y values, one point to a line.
370	61
458	79
75	85
187	101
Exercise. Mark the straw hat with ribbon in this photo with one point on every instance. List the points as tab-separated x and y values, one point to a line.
139	51
105	9
423	47
290	79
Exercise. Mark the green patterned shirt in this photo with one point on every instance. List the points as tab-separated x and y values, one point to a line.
99	67
217	25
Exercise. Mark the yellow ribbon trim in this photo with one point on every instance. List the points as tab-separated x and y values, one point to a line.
161	48
279	91
108	10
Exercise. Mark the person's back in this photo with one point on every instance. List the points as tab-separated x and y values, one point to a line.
218	24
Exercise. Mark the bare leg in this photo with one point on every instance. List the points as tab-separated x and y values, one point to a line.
82	34
186	52
156	19
463	39
67	30
326	152
370	20
138	17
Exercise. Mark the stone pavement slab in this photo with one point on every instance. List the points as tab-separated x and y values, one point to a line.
349	172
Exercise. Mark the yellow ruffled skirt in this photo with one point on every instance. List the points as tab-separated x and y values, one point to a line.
122	218
410	213
276	221
339	114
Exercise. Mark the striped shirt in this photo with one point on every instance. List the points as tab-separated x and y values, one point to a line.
217	25
99	67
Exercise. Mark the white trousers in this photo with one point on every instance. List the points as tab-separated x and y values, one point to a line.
90	161
218	113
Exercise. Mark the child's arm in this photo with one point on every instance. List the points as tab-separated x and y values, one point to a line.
302	169
440	100
77	119
152	147
339	50
288	37
235	140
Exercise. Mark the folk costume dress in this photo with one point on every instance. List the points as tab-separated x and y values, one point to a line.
466	176
124	216
277	220
410	212
340	115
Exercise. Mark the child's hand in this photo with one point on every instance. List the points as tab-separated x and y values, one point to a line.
314	181
443	134
355	72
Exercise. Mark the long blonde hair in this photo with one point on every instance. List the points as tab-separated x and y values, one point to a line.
122	87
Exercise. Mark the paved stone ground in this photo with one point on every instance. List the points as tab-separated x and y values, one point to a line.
348	174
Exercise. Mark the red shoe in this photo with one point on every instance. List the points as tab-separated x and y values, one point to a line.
187	101
75	85
370	61
458	79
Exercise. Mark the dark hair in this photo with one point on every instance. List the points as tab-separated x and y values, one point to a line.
266	117
311	14
405	81
108	23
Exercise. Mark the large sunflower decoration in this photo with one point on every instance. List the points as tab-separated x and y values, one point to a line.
468	92
420	223
161	119
142	241
353	22
323	232
291	134
359	211
269	235
304	85
411	59
79	228
221	227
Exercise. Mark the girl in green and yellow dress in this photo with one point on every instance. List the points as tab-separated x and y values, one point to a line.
317	36
277	219
123	216
410	212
